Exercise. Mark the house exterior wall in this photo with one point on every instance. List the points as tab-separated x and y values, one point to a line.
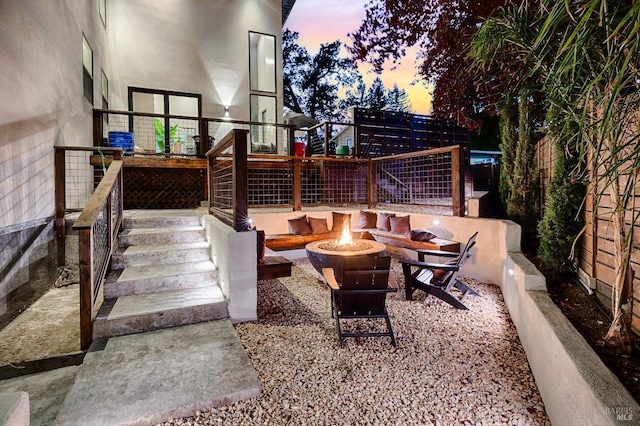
193	46
41	97
41	105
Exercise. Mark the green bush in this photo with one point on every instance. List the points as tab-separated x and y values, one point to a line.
562	220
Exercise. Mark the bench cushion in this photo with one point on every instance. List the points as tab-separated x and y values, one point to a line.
400	225
318	225
299	225
384	221
367	219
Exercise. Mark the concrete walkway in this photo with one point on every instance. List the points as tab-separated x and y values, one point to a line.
145	378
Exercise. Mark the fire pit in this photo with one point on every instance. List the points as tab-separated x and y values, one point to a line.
331	253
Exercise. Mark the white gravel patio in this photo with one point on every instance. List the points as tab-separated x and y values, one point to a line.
451	367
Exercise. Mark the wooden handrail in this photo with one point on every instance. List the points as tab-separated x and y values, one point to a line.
93	269
90	212
431	151
189	117
237	139
60	189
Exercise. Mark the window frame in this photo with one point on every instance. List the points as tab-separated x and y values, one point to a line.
102	11
253	63
87	74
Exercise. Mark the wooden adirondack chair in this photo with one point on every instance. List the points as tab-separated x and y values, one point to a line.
362	294
439	279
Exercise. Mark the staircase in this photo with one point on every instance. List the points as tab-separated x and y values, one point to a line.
162	276
171	348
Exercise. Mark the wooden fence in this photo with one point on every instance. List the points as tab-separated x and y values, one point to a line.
595	255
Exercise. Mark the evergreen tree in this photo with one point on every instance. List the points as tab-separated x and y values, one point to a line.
398	100
312	83
376	97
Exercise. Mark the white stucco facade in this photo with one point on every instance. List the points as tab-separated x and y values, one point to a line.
193	46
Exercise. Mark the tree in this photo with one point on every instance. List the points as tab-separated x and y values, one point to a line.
443	30
376	97
312	83
398	100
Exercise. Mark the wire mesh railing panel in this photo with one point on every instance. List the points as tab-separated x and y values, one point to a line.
182	134
221	186
344	182
270	183
115	208
312	184
78	179
423	179
101	248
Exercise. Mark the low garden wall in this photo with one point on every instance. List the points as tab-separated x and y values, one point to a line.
576	387
234	254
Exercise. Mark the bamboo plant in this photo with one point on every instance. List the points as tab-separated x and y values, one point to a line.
586	57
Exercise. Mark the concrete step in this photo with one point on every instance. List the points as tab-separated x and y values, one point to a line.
161	235
151	377
146	312
160	277
159	218
160	254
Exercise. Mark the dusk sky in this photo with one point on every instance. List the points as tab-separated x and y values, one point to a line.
323	21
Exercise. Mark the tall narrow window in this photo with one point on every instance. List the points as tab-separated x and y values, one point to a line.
105	91
87	69
262	62
102	4
262	86
263	136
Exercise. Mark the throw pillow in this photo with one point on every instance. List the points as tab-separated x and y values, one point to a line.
318	225
384	223
422	235
367	220
400	225
339	220
299	225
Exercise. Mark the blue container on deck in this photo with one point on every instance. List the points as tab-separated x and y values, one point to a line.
122	140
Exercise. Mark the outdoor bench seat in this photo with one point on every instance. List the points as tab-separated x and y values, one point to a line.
402	241
273	266
292	241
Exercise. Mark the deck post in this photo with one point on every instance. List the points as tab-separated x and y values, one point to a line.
240	180
297	184
60	187
457	181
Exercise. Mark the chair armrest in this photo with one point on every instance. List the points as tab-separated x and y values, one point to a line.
437	253
426	265
330	277
392	282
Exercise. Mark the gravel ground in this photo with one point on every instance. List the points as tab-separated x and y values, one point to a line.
451	367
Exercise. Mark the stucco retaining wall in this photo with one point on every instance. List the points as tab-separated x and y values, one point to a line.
234	254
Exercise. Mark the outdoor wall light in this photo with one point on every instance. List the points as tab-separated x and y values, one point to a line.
436	222
511	272
226	112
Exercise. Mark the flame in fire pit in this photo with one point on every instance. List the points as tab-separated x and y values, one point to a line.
345	236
